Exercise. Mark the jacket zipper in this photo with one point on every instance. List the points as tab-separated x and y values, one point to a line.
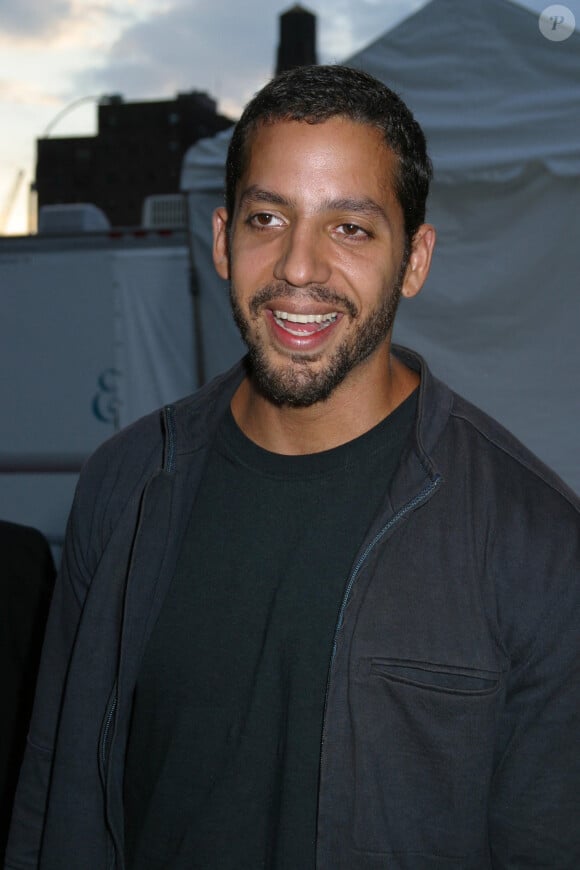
406	509
106	729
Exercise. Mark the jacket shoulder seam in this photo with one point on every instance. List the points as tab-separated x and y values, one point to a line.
531	463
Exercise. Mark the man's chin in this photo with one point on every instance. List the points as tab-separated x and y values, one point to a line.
296	385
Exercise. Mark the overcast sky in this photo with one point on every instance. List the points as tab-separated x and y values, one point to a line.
53	52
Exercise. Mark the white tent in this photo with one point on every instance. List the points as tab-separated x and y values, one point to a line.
217	339
499	318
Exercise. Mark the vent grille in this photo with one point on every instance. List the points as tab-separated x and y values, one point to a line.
164	210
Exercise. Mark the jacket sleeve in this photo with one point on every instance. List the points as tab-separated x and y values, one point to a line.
104	513
31	797
109	489
535	797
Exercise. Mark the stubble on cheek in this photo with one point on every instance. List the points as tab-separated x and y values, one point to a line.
297	382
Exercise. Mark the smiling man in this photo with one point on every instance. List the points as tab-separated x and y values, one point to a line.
323	613
316	249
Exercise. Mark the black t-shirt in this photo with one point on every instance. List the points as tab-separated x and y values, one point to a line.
224	748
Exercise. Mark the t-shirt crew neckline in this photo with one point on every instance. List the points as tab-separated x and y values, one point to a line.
232	441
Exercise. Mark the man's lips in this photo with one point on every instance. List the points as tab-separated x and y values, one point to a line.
300	330
300	324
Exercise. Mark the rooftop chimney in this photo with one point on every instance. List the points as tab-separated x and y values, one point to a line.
297	46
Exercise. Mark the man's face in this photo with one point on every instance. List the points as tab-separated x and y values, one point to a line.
315	257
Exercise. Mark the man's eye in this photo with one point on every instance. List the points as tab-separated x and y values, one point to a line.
352	231
265	219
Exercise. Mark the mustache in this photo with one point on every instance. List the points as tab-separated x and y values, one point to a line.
314	293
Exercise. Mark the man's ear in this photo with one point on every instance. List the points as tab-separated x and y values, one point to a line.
221	258
419	260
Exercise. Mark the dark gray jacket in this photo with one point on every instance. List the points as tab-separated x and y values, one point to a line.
451	728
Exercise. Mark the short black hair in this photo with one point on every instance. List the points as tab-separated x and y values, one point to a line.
315	94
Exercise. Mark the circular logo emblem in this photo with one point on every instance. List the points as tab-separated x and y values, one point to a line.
557	23
106	402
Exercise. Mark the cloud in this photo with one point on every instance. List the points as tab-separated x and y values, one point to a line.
30	21
192	45
20	93
33	19
204	45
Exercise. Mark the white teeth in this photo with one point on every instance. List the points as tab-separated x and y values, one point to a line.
305	318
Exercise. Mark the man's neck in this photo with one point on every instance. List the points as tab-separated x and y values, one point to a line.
358	404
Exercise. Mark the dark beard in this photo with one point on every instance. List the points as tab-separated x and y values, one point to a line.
300	386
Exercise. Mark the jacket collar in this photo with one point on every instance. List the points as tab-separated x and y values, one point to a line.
196	418
434	405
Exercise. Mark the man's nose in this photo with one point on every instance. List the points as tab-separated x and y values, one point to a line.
303	258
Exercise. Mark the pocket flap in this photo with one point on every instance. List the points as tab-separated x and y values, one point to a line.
439	677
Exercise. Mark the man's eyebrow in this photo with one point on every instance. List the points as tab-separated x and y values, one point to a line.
364	206
255	194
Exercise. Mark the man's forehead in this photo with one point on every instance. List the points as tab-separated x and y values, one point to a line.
267	153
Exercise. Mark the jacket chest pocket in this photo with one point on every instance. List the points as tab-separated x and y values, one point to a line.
424	739
435	677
